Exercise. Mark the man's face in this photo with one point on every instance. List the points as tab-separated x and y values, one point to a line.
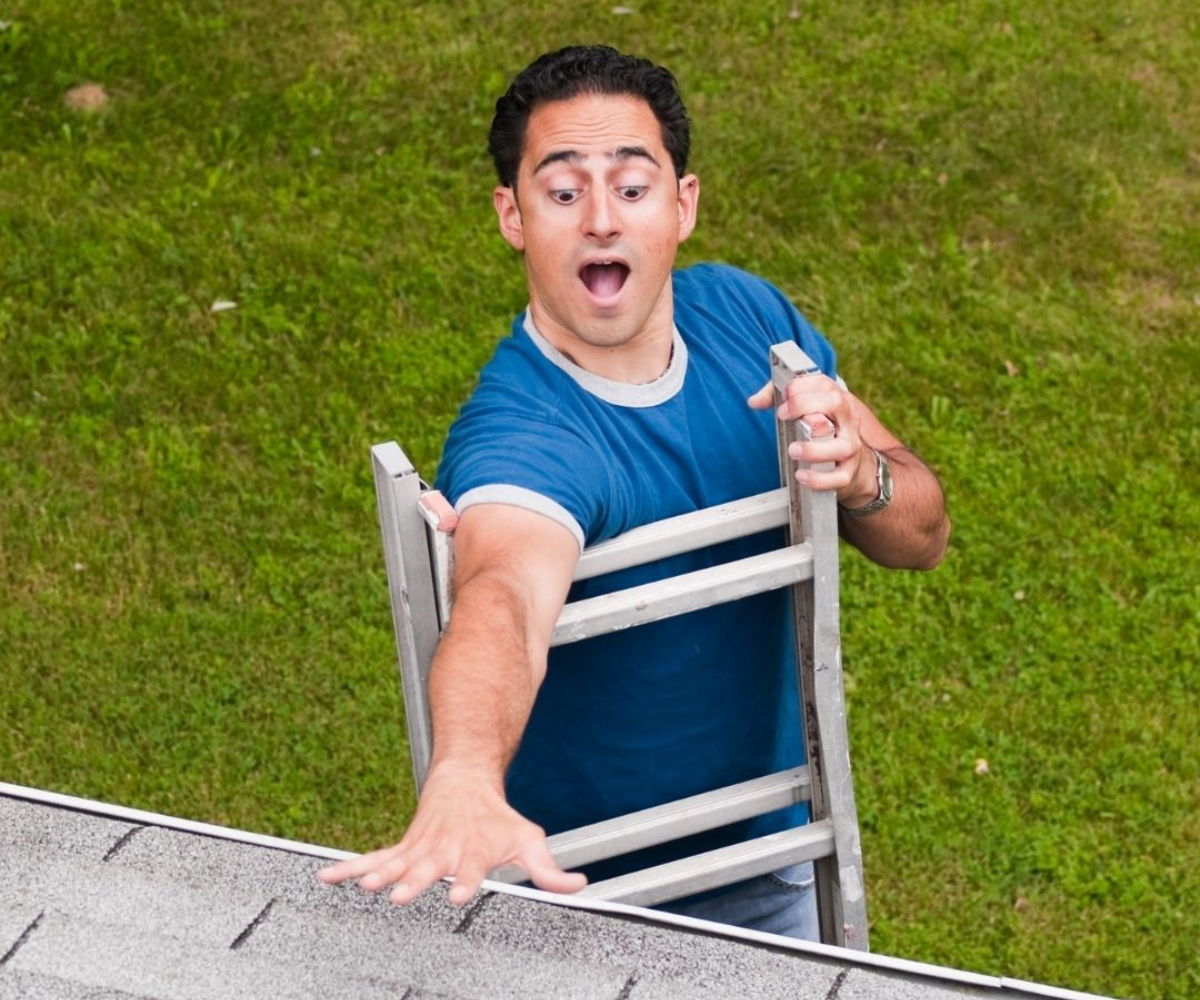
599	214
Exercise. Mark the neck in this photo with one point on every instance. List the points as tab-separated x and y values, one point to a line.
635	359
629	363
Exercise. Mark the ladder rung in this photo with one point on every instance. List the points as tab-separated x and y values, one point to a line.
712	869
673	820
681	594
674	535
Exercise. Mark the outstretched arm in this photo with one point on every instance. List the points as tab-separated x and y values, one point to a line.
912	532
512	571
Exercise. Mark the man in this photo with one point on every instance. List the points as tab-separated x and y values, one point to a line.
620	399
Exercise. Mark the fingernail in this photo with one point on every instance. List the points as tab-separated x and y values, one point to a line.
802	477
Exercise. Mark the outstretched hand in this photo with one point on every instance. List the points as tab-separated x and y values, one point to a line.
462	830
833	415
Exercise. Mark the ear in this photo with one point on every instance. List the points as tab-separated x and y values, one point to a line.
689	200
509	214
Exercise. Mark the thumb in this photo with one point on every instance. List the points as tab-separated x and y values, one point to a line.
543	870
763	399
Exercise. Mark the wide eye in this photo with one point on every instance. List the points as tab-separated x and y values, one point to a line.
632	192
564	196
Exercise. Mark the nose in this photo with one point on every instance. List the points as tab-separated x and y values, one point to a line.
601	220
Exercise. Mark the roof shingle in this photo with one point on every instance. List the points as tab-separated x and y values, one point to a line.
92	906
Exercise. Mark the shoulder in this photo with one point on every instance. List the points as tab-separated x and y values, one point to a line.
516	413
721	289
711	279
517	441
518	374
709	295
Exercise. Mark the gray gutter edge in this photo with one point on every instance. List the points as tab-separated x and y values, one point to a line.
846	955
143	818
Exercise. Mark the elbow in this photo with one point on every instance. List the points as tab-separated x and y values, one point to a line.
937	544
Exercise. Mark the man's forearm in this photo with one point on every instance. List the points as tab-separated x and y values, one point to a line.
513	571
483	681
912	532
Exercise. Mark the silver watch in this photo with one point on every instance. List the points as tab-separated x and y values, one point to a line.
883	477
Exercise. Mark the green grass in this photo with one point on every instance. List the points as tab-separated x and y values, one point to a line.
991	209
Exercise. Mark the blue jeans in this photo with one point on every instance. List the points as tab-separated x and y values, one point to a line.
783	902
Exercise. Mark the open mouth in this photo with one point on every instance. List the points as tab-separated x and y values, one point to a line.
604	279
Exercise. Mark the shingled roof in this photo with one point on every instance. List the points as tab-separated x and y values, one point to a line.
98	901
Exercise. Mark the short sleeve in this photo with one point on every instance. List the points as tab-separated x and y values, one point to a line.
495	455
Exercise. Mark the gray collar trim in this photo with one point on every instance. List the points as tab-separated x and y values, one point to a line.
653	393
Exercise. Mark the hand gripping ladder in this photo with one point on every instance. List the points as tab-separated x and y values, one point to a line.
417	525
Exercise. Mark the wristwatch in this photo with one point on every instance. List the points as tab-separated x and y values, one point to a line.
883	476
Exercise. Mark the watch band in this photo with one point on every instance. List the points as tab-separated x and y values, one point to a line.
883	479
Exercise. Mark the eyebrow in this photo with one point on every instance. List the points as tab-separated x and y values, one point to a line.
574	156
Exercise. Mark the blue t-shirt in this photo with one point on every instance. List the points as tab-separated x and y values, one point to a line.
646	715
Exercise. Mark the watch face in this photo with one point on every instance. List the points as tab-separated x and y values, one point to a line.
885	479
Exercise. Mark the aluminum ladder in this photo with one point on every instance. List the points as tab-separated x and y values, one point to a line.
417	526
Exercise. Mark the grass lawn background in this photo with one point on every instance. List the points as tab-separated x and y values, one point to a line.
990	208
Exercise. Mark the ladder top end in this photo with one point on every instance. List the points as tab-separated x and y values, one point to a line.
788	361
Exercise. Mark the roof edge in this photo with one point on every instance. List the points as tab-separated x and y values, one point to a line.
145	818
1002	984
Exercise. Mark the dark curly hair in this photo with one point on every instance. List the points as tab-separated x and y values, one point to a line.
586	69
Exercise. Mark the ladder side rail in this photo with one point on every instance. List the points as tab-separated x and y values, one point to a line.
714	869
411	589
678	595
685	532
847	909
785	367
440	522
841	901
441	554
